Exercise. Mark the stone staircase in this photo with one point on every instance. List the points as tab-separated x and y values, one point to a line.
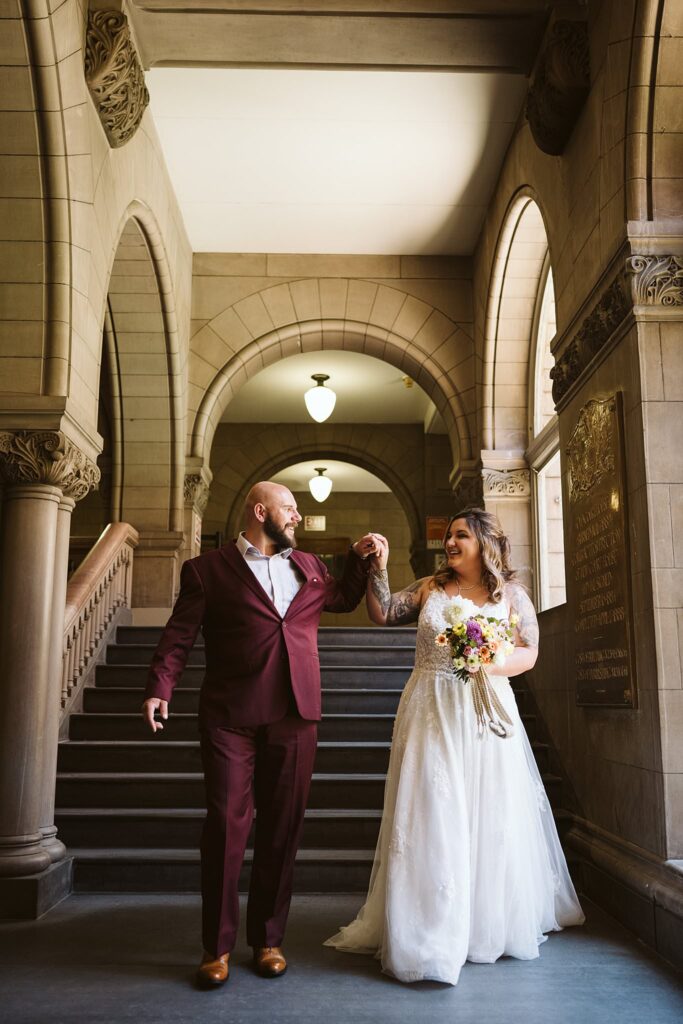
130	806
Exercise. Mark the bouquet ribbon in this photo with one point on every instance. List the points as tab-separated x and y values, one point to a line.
488	708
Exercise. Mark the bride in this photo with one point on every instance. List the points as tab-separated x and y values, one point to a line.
468	863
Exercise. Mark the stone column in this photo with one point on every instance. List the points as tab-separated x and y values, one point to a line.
36	468
48	829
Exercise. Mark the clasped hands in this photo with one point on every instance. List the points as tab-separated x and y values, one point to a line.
375	547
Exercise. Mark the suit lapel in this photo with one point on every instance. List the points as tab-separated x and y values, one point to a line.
308	574
238	564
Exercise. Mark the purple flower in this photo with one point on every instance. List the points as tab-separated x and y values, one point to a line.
474	631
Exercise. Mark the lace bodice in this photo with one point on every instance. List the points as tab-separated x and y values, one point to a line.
429	657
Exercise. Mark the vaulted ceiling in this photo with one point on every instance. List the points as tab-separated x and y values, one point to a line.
344	126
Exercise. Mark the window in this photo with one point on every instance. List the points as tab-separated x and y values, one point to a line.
543	456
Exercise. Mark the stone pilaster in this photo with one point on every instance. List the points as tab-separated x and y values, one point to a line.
195	498
506	485
43	473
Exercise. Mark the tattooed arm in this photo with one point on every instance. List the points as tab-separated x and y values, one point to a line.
526	634
387	609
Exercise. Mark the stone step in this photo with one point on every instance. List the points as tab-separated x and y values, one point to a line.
357	790
336	700
180	828
130	726
122	699
162	870
186	789
344	676
327	635
386	655
174	828
146	756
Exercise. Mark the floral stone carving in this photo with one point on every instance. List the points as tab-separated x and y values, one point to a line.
506	483
657	280
46	457
560	87
196	492
114	75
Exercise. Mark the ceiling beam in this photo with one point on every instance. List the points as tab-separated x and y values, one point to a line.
352	35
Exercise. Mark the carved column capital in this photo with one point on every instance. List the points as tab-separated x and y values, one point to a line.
196	492
506	483
46	457
560	86
468	492
656	280
114	75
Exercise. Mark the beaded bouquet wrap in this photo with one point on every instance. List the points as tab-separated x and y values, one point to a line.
475	641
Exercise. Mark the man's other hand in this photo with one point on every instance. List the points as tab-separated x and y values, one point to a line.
151	705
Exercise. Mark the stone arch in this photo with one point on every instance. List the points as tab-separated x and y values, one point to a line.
521	259
344	453
651	191
141	332
362	316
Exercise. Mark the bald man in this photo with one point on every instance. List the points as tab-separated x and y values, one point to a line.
258	603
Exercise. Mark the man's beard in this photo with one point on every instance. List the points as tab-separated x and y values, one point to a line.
278	536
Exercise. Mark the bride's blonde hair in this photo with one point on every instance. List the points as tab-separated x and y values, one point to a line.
494	548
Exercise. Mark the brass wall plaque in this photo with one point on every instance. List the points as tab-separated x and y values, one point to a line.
599	579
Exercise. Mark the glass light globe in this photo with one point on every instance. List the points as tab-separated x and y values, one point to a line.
320	486
320	400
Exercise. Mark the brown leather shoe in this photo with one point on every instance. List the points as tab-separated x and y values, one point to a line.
269	961
213	970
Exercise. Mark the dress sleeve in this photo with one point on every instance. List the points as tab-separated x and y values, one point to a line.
520	604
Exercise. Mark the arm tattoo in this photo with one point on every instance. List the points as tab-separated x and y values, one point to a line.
379	583
405	605
527	627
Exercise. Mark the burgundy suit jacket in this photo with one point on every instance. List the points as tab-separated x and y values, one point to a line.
255	659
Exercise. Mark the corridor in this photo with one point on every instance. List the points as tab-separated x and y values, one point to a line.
109	959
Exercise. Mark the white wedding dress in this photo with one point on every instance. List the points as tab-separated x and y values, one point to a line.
468	863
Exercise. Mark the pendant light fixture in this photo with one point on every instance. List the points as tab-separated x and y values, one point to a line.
319	399
320	486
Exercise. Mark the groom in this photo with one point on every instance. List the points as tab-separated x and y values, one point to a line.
258	602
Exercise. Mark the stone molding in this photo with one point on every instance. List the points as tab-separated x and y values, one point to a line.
643	280
560	87
594	332
196	492
46	457
506	483
114	75
656	280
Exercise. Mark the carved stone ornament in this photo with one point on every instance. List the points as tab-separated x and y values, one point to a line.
114	75
506	483
560	86
469	493
591	447
196	492
591	336
657	280
46	457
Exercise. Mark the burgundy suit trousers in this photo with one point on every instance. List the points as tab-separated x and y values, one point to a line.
269	767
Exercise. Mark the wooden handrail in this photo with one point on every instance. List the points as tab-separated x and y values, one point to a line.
97	590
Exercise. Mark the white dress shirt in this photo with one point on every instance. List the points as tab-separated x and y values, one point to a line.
276	573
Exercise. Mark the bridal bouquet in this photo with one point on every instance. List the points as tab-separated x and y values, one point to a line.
475	641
